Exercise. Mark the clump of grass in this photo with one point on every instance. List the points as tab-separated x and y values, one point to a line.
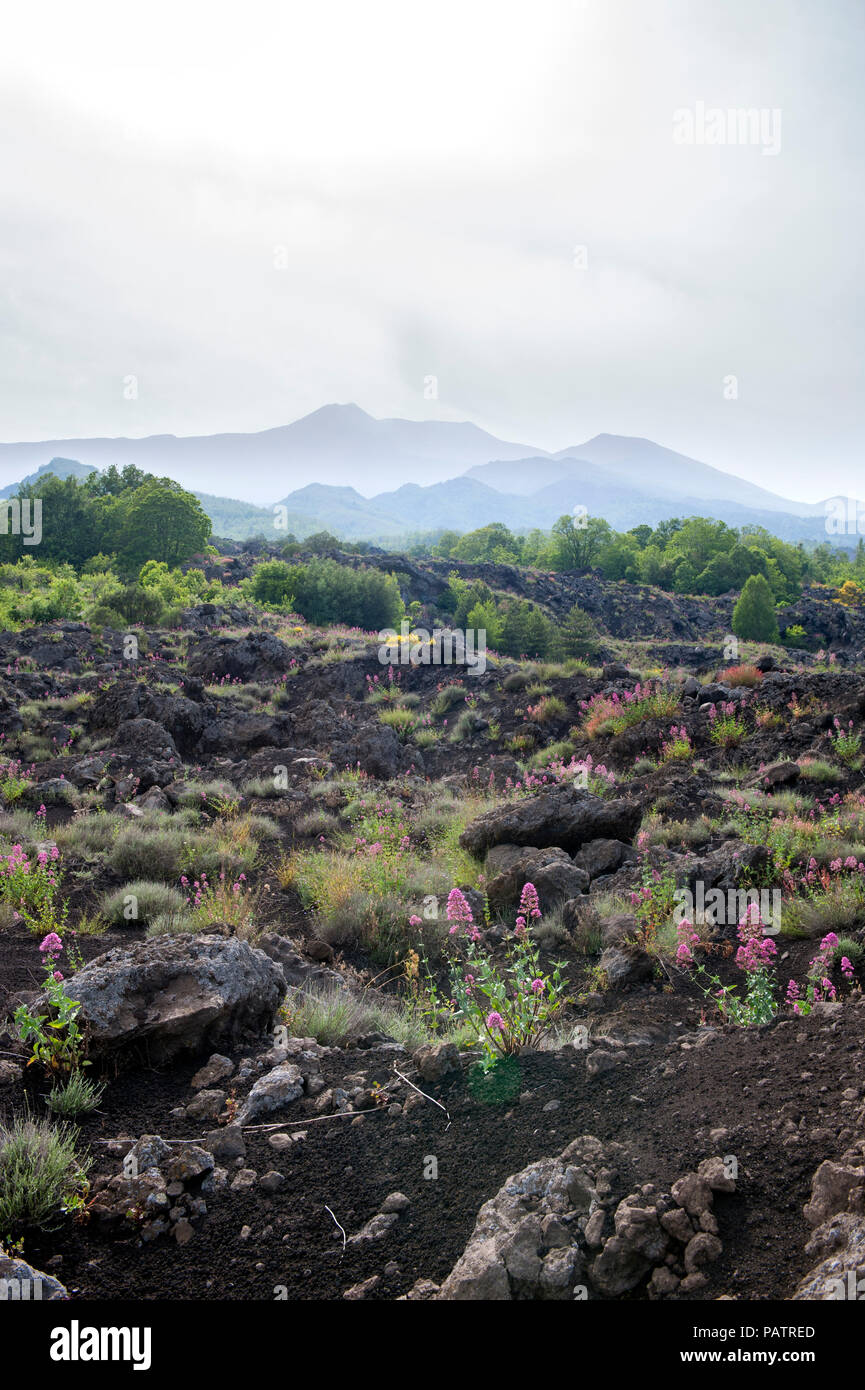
675	832
89	834
521	744
76	1096
171	923
836	909
139	902
818	770
401	720
468	724
446	698
262	788
318	822
332	1015
142	850
745	675
547	709
42	1174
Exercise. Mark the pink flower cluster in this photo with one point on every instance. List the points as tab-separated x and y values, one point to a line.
756	950
460	915
688	939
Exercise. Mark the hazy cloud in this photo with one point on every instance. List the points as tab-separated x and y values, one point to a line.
257	211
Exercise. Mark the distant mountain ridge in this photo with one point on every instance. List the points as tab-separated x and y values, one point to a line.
446	475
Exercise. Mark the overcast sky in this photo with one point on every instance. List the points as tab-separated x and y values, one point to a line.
256	209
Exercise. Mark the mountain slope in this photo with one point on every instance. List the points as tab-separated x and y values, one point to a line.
338	444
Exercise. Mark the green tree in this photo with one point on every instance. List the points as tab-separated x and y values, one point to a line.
576	545
161	521
578	635
754	615
271	584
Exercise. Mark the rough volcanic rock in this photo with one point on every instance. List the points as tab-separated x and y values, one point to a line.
551	871
20	1282
528	1239
839	1245
177	994
260	656
566	816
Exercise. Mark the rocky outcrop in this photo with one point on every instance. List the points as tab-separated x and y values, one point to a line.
566	816
177	994
556	1231
21	1283
260	656
552	871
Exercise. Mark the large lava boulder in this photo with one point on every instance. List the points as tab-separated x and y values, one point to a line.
567	816
552	871
177	994
257	657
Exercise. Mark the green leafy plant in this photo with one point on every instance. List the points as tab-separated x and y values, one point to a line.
55	1038
512	1004
31	886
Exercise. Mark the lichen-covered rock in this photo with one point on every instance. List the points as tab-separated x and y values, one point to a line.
279	1087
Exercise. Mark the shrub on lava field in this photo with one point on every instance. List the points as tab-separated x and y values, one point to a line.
741	675
819	770
317	823
42	1174
140	851
612	714
332	1016
511	1005
768	719
678	747
446	697
137	903
549	708
401	720
30	886
845	743
727	727
468	724
77	1095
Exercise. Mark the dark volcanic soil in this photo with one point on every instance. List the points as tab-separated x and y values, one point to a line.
776	1090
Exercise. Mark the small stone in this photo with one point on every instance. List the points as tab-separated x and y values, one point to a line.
226	1144
243	1180
271	1182
395	1201
594	1232
206	1106
704	1249
693	1193
677	1223
183	1232
663	1281
358	1291
713	1170
216	1068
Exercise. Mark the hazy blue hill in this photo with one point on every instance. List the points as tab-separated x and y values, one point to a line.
59	467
